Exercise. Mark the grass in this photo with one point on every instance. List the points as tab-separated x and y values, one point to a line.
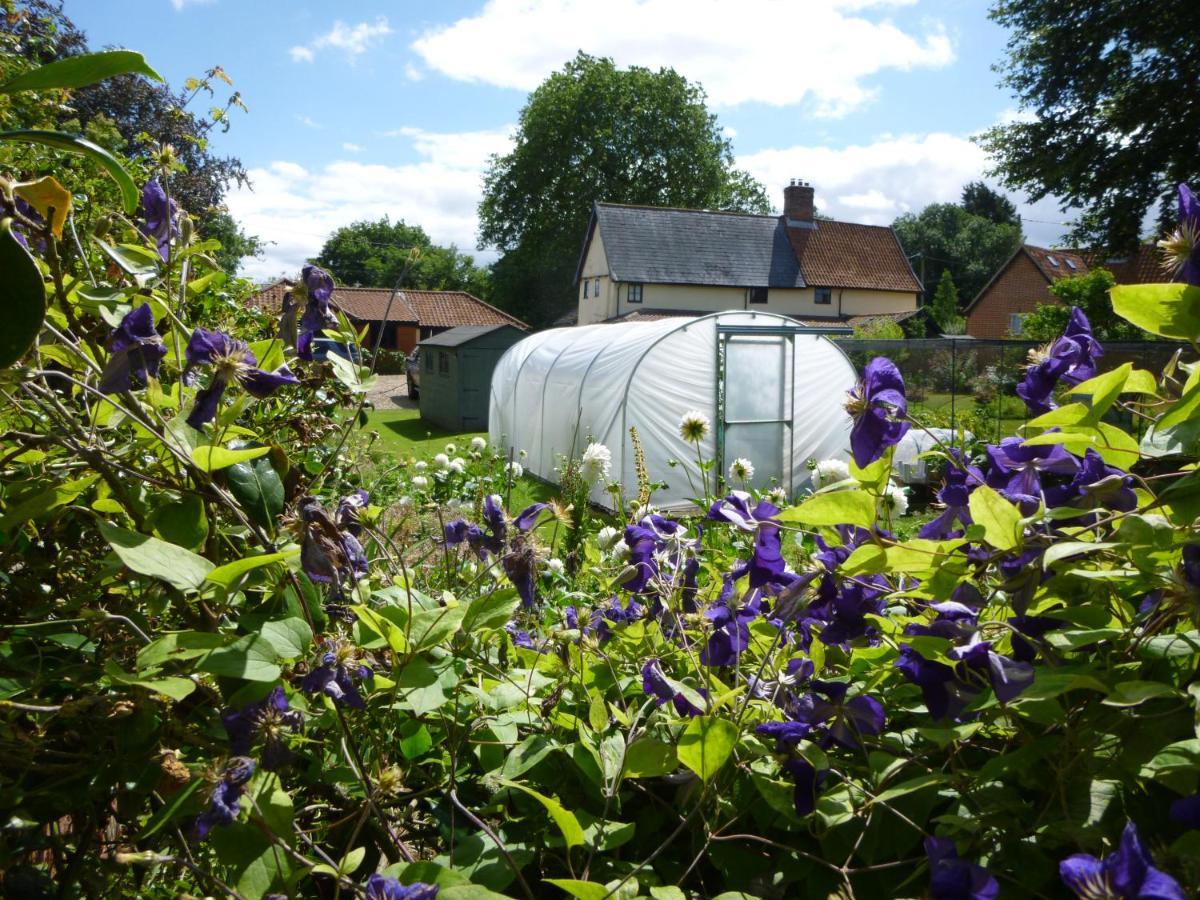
1013	414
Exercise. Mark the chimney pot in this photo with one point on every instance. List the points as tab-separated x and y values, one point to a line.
798	201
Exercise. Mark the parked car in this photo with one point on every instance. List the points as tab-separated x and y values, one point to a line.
412	373
322	347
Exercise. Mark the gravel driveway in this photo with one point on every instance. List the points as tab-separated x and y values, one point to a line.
391	392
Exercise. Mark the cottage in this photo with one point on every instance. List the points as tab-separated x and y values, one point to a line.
653	262
399	322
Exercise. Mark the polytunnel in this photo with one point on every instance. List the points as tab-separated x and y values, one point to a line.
773	390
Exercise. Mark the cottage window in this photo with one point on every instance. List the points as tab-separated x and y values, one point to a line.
596	292
1016	322
585	289
443	362
758	295
634	294
823	296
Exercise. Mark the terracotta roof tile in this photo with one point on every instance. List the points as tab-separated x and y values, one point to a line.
370	305
845	254
447	309
1143	266
269	297
1056	264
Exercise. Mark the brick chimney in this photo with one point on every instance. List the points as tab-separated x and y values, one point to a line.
798	202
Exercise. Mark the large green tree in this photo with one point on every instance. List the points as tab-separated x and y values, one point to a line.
373	254
980	200
945	237
1112	86
595	132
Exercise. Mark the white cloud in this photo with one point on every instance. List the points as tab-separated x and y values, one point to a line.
353	40
412	73
308	121
777	52
296	209
180	4
351	148
875	182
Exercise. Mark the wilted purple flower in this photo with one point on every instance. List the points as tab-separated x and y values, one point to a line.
1095	484
1071	359
135	351
349	509
961	479
523	639
318	286
1127	873
327	554
161	216
18	229
1016	470
954	878
266	719
807	780
1181	250
381	887
231	360
878	406
657	685
225	801
336	677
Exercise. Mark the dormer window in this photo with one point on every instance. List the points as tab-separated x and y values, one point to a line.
1070	263
758	295
1052	261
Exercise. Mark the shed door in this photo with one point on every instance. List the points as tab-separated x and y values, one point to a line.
757	406
475	377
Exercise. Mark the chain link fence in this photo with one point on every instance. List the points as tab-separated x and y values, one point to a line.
971	382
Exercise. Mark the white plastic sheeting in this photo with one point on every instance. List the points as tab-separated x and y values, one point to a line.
785	390
905	462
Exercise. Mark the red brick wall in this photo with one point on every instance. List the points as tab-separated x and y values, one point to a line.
1021	288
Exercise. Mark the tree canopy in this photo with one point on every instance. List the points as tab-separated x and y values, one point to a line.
1090	293
944	307
373	254
595	132
980	200
1112	86
946	237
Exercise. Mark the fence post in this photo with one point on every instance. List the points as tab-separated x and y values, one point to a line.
953	379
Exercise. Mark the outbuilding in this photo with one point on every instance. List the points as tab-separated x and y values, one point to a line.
773	392
456	372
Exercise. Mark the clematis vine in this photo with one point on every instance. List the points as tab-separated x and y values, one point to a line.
948	689
225	801
1095	484
954	878
766	567
329	554
961	479
135	351
1181	250
520	561
1016	470
1128	873
160	214
337	676
231	361
267	719
878	406
383	887
317	286
1071	359
657	685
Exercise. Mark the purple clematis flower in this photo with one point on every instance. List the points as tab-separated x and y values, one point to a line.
231	360
1071	359
225	801
1186	811
943	693
348	511
318	286
878	406
135	349
1127	873
1095	484
1182	249
336	679
1029	629
657	685
807	780
1016	470
954	878
381	887
267	718
961	479
843	720
731	628
161	216
766	567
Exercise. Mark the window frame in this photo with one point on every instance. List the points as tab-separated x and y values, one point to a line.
427	358
759	295
586	282
1017	319
826	292
443	362
634	290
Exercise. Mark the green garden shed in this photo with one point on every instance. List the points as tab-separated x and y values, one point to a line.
456	374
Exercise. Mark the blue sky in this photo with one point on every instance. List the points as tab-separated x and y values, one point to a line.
363	108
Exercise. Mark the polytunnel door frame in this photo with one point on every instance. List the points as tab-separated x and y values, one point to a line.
785	341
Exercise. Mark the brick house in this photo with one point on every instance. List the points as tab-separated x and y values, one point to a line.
1019	287
412	316
649	262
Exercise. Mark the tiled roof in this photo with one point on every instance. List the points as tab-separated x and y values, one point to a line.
662	245
1055	264
428	309
845	254
1143	266
855	321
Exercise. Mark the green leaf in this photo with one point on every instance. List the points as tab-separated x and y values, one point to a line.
432	626
706	744
135	265
170	686
169	811
667	892
1135	693
77	71
918	783
583	890
146	555
73	143
1069	549
1001	520
1115	446
258	488
227	575
41	502
290	638
834	508
650	758
490	611
1171	646
1047	685
210	459
251	657
565	820
423	687
269	352
22	297
1102	391
528	754
1170	310
183	522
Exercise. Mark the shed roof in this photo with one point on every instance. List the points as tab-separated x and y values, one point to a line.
463	334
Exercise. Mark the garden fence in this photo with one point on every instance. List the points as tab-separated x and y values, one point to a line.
971	383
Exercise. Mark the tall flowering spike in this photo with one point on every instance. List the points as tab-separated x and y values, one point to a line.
231	361
878	406
1181	250
318	286
1127	873
136	349
160	216
953	878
